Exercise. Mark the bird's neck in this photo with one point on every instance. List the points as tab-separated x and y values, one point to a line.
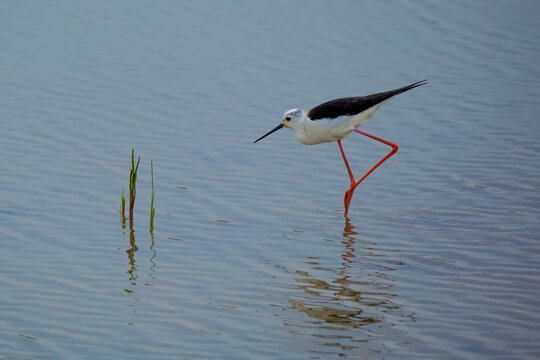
301	128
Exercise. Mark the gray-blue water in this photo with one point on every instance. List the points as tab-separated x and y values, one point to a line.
251	257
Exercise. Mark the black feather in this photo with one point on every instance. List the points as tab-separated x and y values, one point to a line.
354	105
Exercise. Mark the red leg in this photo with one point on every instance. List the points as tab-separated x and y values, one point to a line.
346	162
349	193
392	152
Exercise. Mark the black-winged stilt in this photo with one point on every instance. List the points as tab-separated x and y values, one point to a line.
335	119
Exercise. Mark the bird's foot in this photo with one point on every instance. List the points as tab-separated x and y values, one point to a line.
347	199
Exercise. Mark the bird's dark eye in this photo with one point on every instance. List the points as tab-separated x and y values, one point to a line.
288	118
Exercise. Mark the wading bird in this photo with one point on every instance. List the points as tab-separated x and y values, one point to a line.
335	119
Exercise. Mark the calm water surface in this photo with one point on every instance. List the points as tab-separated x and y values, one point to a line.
251	257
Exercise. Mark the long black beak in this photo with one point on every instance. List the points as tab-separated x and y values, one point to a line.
268	133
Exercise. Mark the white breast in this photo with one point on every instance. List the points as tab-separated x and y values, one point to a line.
324	130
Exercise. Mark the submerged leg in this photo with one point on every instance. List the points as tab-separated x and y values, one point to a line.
349	193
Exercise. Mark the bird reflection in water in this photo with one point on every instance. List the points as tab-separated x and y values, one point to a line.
347	300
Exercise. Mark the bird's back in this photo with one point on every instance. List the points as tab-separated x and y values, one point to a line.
351	106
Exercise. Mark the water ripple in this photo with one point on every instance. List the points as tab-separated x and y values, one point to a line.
251	256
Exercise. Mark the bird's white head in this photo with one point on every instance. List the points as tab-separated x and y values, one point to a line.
292	119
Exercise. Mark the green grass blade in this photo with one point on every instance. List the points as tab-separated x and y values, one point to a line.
152	209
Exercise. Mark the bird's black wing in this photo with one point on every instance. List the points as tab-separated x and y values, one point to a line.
354	105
